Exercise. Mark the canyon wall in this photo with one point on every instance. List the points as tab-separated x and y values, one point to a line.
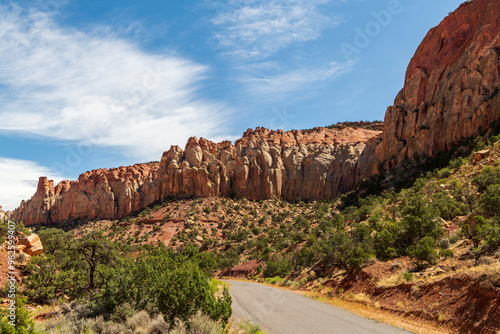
314	164
101	193
450	93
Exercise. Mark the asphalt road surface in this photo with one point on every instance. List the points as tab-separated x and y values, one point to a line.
284	312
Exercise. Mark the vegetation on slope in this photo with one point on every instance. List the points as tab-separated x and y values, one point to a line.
159	261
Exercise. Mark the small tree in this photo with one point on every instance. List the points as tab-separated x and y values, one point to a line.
490	200
90	253
420	221
278	267
385	240
424	251
186	291
348	250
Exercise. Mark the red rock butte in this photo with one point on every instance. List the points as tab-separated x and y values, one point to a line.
450	93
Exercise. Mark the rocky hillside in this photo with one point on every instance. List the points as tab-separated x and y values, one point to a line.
450	94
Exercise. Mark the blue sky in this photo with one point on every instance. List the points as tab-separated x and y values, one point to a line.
87	84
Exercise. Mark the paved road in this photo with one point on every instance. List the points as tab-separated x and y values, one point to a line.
284	312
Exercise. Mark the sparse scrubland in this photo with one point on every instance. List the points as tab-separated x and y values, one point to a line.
427	251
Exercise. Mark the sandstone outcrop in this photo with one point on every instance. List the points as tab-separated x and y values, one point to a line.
3	214
317	164
450	92
32	245
101	193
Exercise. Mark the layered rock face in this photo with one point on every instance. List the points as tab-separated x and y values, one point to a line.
450	92
315	164
31	245
101	193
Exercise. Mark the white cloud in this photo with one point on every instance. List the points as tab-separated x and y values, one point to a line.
259	28
279	86
252	32
19	179
96	88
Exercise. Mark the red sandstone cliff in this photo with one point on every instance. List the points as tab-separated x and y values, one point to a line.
450	93
101	193
314	164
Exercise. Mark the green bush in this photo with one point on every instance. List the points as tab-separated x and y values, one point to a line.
408	276
424	251
23	323
447	207
490	200
446	253
348	250
187	290
488	176
488	230
419	222
385	241
281	267
275	280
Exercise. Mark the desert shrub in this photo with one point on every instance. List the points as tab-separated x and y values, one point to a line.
158	325
54	240
348	250
446	253
408	276
447	207
281	267
456	163
419	221
384	242
186	291
275	280
454	237
123	312
490	200
306	256
443	173
302	223
138	321
201	323
444	243
46	279
76	323
488	230
488	176
424	251
228	259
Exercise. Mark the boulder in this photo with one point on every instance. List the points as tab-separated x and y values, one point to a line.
481	155
32	245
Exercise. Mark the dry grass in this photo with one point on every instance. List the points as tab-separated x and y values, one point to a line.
361	297
393	280
472	271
